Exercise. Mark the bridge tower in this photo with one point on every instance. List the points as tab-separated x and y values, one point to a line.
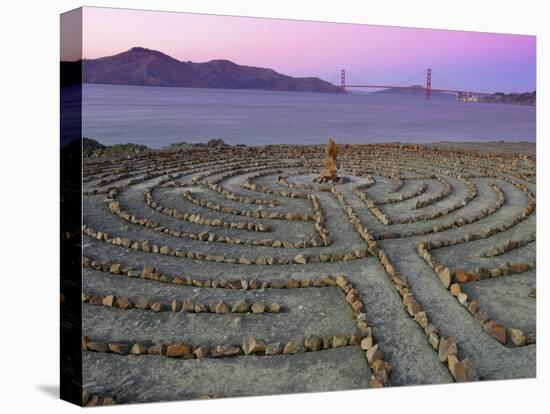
343	81
428	83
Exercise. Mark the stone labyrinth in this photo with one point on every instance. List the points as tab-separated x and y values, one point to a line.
223	272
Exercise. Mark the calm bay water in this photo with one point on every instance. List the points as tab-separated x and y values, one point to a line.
159	116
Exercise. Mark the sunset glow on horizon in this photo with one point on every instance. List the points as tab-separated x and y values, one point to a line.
373	54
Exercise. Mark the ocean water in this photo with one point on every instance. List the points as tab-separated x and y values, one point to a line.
159	116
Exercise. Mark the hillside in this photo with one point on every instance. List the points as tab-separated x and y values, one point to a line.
414	90
527	98
140	66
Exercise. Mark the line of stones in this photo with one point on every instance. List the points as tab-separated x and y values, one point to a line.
462	370
197	218
114	207
363	337
421	189
147	247
318	215
508	246
145	303
373	208
180	169
452	280
459	222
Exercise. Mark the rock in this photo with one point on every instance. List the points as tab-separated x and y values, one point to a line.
517	337
447	346
452	360
241	306
257	308
367	343
292	283
175	306
292	347
227	350
444	275
221	307
496	331
187	306
251	346
533	294
123	303
313	343
108	300
421	319
201	351
157	307
158	349
274	308
300	259
138	349
177	350
338	341
373	354
273	348
341	281
461	276
97	346
465	371
143	303
199	308
118	348
455	289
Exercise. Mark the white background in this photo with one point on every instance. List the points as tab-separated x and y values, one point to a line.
29	219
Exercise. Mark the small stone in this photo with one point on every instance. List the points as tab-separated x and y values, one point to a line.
158	349
447	346
496	331
517	337
273	348
292	347
300	259
143	303
241	306
341	281
533	294
177	350
338	341
455	289
121	349
227	350
187	306
313	343
123	303
274	308
292	283
258	308
421	319
465	371
251	346
367	343
175	306
221	307
199	308
201	351
97	346
462	298
96	300
373	354
444	275
138	349
452	360
157	307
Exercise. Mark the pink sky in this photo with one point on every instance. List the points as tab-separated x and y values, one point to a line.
374	54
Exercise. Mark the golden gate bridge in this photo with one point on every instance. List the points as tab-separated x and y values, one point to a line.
461	94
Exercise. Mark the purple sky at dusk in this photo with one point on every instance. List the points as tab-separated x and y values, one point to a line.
374	54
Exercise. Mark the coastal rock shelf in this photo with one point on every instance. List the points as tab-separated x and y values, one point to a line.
229	271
